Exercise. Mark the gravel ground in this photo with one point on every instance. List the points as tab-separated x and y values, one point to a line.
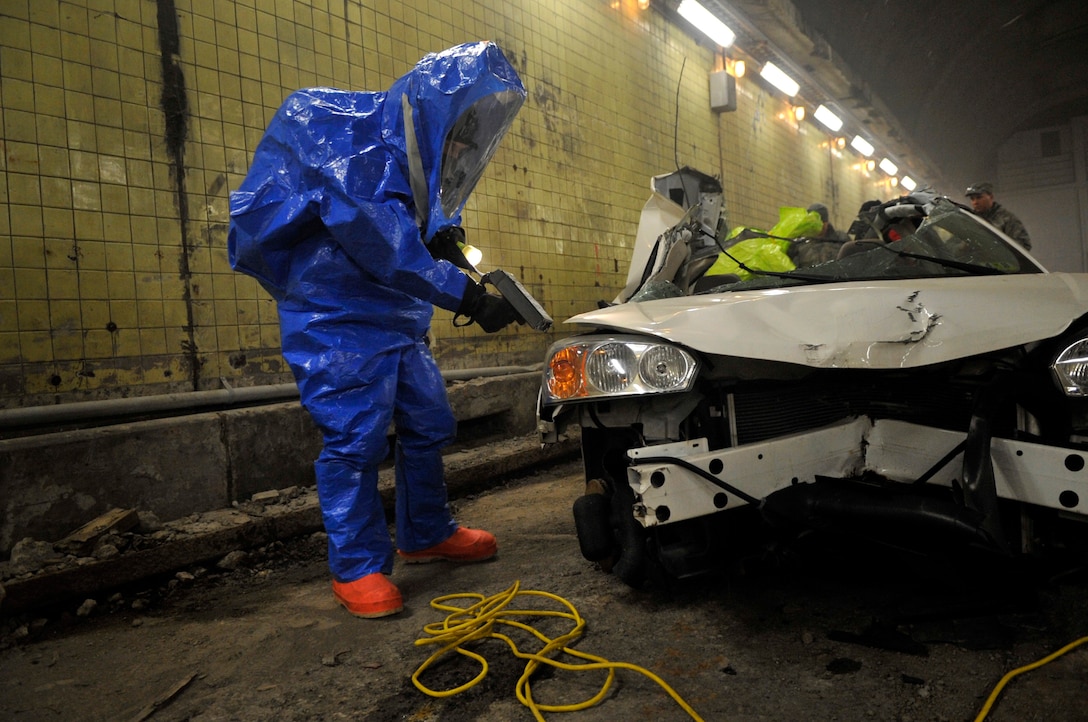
822	630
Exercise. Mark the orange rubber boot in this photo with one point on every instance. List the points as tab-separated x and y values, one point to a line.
369	597
466	545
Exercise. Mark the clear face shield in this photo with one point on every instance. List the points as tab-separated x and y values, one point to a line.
471	143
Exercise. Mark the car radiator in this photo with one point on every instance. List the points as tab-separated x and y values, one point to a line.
770	413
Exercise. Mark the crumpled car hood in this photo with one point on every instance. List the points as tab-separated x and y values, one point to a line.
880	324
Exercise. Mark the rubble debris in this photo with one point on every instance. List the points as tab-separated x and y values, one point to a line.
38	575
233	560
30	553
149	522
107	547
335	659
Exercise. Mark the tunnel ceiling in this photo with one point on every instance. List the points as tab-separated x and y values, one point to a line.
956	78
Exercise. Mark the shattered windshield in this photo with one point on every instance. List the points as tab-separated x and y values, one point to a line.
947	242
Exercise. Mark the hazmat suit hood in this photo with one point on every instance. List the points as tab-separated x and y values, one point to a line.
445	119
343	196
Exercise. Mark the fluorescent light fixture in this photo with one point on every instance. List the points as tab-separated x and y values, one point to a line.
831	121
862	146
776	77
908	183
703	19
888	167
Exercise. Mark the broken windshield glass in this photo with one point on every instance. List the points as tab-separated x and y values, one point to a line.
948	242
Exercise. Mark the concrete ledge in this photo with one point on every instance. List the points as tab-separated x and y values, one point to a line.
51	484
212	535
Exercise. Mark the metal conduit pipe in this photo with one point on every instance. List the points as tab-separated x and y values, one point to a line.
489	371
88	410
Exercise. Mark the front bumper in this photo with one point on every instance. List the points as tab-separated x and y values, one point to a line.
684	480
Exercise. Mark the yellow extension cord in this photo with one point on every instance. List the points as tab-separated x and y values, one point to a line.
467	624
480	620
1020	670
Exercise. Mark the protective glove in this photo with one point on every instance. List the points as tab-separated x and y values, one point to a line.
494	313
446	245
490	311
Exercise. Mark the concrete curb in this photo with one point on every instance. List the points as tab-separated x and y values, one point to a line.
250	525
175	466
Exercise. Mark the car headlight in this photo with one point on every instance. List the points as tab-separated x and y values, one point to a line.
593	367
1071	369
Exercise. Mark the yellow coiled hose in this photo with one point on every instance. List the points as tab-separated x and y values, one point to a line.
484	619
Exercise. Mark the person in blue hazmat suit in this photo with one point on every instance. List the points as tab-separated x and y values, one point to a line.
350	218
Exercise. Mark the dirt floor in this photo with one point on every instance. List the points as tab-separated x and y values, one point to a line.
823	631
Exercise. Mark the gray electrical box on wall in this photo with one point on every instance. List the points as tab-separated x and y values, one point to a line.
723	92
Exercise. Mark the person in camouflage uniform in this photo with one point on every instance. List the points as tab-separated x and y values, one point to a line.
821	247
997	215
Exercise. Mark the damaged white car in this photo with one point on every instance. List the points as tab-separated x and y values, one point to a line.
924	384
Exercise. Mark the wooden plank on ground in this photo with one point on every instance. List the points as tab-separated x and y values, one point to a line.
118	520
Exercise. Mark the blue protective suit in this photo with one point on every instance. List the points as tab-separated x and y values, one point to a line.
345	192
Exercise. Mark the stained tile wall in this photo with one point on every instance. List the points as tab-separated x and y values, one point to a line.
126	123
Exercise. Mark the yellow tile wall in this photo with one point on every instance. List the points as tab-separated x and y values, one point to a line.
114	279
